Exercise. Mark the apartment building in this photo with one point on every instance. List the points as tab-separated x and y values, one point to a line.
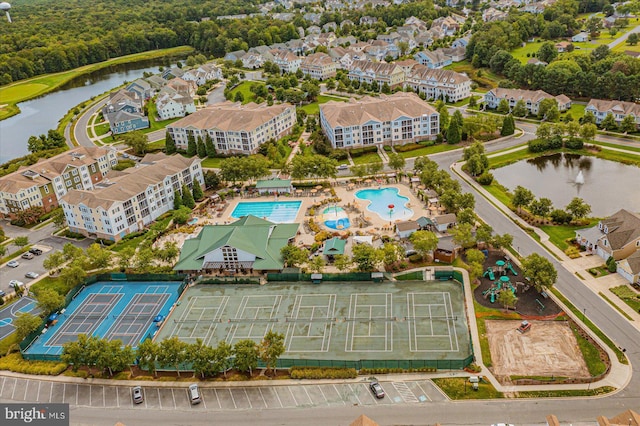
43	183
388	120
380	72
126	201
235	128
530	98
286	60
319	66
439	84
619	109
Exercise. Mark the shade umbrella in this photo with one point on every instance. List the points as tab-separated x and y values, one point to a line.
326	190
298	191
313	191
351	185
318	187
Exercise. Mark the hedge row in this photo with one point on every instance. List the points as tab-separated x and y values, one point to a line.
357	152
14	362
368	371
323	373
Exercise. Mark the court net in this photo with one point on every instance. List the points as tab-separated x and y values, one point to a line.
307	320
252	320
433	318
370	319
195	321
86	317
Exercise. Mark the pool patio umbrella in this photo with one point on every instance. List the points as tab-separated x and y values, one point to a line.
299	191
313	191
326	190
318	187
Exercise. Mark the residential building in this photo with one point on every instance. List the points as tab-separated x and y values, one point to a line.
388	120
174	72
531	99
580	37
380	72
433	59
619	109
235	128
141	87
406	228
43	183
448	24
249	244
124	112
176	99
492	14
287	61
563	46
439	84
461	42
319	66
629	268
617	236
203	73
253	60
126	201
234	56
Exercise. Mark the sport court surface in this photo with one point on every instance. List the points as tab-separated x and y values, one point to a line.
9	313
274	211
114	310
331	321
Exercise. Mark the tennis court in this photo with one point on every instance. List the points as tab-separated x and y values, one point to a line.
113	310
332	321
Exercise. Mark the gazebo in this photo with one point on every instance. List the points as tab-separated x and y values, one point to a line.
277	185
333	247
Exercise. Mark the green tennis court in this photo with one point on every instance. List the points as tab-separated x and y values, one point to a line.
349	321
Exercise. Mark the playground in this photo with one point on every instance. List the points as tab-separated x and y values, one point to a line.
399	322
501	274
549	348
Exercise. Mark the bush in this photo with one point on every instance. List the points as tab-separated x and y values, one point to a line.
339	155
73	235
357	152
17	222
555	142
485	179
14	362
105	242
611	264
415	258
371	371
408	147
315	373
574	143
538	145
387	148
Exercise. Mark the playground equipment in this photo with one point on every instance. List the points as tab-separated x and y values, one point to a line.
504	280
489	272
510	267
524	326
500	267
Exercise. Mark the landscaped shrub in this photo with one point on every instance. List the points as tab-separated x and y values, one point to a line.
357	152
485	179
415	258
323	373
338	155
555	142
371	371
611	264
538	145
14	362
105	242
408	147
387	148
574	143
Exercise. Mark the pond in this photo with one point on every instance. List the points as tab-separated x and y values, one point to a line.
608	186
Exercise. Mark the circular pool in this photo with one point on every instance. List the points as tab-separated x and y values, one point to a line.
335	218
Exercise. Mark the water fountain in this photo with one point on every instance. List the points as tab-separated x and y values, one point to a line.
580	178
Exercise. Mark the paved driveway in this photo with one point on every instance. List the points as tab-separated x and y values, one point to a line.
220	398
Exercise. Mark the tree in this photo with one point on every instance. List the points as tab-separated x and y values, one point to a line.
58	218
462	234
365	257
271	348
137	141
396	162
548	110
540	271
169	144
48	300
587	118
500	241
633	39
246	355
628	123
54	261
578	208
547	52
316	264
293	256
182	215
147	355
424	242
391	252
541	207
609	123
342	262
454	133
187	198
507	299
200	356
192	146
508	126
76	353
73	275
222	357
520	109
503	107
209	146
99	256
21	241
25	324
588	131
441	107
201	149
172	352
30	215
196	191
125	256
522	197
211	180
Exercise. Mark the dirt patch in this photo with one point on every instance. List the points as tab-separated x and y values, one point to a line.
549	348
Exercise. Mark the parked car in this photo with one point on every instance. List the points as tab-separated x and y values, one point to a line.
343	167
136	394
13	264
377	389
2	293
16	284
27	255
411	252
32	274
36	251
194	395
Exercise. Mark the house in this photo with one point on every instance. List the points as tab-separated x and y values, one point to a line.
176	99
629	268
140	87
619	109
387	120
234	56
249	244
580	37
563	46
448	24
274	186
456	54
444	222
156	82
235	128
492	14
406	228
124	112
252	61
536	61
329	27
368	20
343	57
43	183
617	236
126	201
319	66
461	42
170	73
530	98
287	61
433	59
379	72
203	73
439	84
406	65
447	250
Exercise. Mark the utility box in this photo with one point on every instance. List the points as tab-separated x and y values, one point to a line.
474	380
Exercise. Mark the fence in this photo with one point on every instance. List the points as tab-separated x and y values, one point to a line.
405	364
229	280
289	277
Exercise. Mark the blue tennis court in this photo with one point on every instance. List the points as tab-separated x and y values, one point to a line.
113	310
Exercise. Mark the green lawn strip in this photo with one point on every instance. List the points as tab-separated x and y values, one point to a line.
367	157
154	124
101	129
624	46
617	308
599	271
8	343
314	107
613	145
458	388
15	254
156	146
245	89
621	356
428	150
628	296
590	354
54	283
576	111
559	234
211	163
521	52
603	390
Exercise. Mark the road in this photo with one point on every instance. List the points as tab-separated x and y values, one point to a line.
624	37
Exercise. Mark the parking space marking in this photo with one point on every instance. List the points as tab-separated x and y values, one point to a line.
44	392
262	396
232	399
38	395
159	398
248	399
110	391
15	381
423	397
83	395
2	387
58	395
308	396
255	397
279	400
51	393
204	402
331	395
217	398
295	401
173	395
96	398
404	392
239	398
315	395
354	394
285	396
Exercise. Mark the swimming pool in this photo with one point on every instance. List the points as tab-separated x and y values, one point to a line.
381	199
273	211
335	218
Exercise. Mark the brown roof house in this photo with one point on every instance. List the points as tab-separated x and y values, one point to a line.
629	268
405	229
617	236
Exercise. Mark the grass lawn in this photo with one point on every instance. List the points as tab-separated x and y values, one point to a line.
211	163
369	157
54	283
314	107
521	52
154	124
245	89
559	234
459	388
484	77
101	129
428	150
157	145
576	111
628	296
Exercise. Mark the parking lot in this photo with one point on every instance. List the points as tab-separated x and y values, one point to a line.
219	398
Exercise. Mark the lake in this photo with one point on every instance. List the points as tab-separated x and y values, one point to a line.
608	186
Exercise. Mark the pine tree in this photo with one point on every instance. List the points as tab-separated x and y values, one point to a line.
208	144
177	200
508	126
197	191
187	197
170	145
454	133
202	151
192	147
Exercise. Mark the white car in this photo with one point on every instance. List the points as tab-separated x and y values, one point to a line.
32	275
343	167
16	283
13	264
